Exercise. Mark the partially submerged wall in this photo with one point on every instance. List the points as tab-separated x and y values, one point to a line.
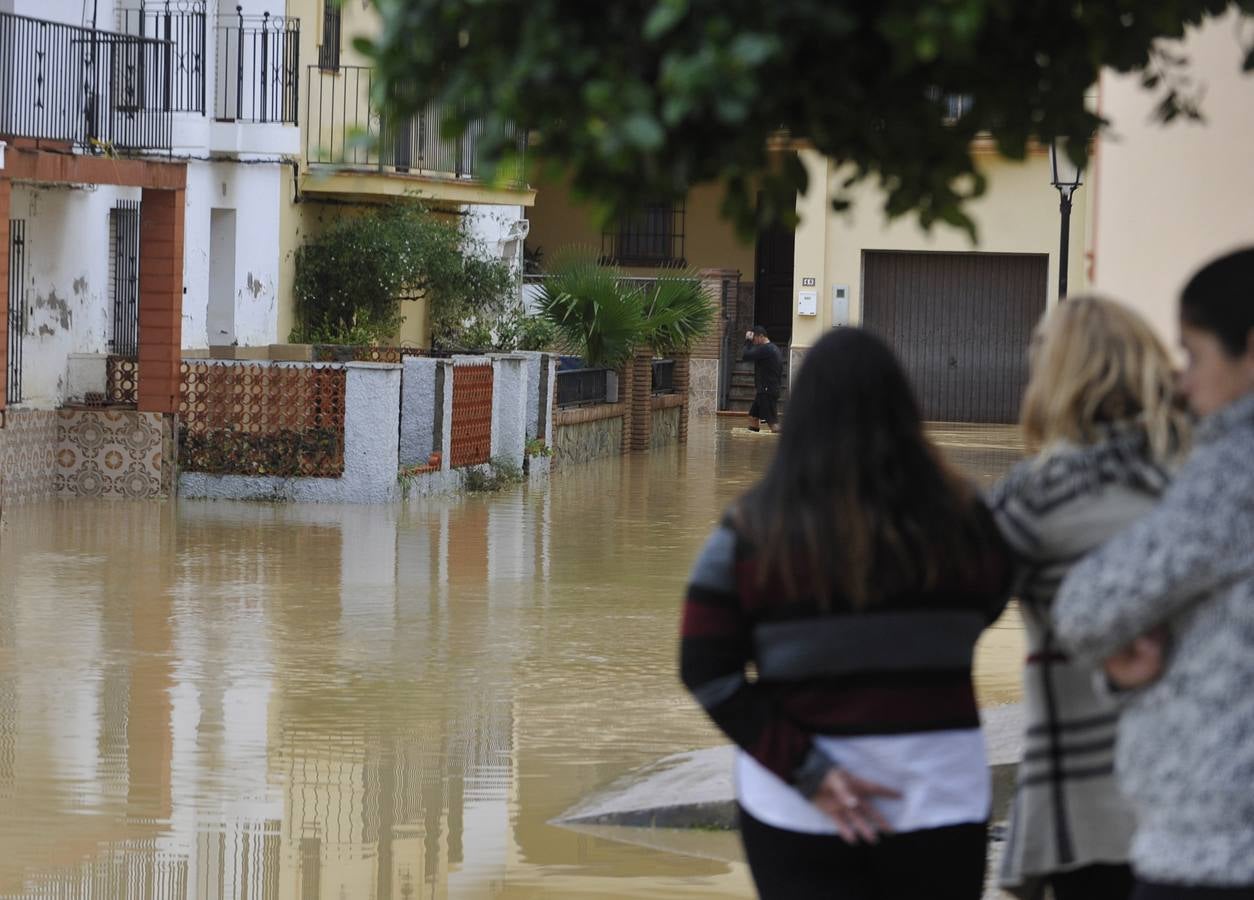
87	453
587	433
371	451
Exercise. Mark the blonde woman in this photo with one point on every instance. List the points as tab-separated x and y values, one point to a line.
1098	417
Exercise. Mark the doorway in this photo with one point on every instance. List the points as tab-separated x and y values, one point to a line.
772	296
220	316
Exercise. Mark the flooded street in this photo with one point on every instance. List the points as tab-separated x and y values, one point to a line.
245	700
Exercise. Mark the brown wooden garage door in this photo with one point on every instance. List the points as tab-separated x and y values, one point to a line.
960	322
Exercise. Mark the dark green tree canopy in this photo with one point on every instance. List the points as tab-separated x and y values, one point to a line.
642	98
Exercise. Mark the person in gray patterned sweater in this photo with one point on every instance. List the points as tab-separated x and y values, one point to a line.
1169	605
1100	420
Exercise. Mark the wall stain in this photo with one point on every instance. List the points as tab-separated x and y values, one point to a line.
255	286
59	308
80	285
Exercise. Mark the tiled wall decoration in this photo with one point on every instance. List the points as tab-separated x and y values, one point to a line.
84	453
109	453
28	449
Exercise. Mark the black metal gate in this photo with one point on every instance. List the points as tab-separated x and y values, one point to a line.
17	309
124	235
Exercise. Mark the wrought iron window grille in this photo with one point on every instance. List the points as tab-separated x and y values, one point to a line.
654	236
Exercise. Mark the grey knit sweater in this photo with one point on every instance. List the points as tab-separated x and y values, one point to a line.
1185	754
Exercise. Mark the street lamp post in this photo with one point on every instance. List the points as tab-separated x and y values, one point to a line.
1067	177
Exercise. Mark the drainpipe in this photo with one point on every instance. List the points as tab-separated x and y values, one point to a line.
2	146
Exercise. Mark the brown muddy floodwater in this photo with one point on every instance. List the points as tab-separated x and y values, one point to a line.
213	700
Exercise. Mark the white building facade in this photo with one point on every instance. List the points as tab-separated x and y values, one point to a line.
225	83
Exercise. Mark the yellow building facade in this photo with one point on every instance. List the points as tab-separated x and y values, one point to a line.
958	313
350	160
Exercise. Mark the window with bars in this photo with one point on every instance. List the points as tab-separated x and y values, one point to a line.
329	51
654	236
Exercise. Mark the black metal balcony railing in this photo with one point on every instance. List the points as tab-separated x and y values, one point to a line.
182	24
258	69
84	86
663	376
344	128
582	387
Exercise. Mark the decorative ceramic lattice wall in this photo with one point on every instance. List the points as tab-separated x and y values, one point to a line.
122	380
472	415
242	419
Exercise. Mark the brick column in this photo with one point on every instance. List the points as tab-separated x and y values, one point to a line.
625	384
160	299
642	400
681	388
6	195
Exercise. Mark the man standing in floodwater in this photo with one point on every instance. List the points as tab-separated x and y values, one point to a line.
768	369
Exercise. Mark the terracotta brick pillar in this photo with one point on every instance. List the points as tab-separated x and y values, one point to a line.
681	388
160	299
625	383
6	196
642	400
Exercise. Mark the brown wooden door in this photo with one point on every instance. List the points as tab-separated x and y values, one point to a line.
772	298
960	323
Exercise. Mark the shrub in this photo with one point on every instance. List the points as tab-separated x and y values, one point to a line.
351	279
287	453
499	474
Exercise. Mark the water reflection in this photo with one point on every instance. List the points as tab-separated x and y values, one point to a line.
226	700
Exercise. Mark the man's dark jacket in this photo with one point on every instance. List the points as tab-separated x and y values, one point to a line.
768	365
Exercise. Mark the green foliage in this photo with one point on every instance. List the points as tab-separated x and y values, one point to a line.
286	453
499	474
677	313
351	278
644	99
604	318
591	311
518	331
512	330
537	447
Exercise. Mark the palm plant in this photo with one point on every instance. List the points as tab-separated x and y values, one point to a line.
677	313
593	314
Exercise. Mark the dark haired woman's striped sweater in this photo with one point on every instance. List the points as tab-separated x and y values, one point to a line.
1054	510
885	692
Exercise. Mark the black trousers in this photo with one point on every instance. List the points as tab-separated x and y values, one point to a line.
937	864
1107	882
1148	891
765	406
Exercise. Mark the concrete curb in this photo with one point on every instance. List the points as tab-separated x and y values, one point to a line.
694	790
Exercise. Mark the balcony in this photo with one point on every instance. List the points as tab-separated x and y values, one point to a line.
182	24
257	70
351	148
85	87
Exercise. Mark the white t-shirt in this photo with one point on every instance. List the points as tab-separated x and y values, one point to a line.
942	775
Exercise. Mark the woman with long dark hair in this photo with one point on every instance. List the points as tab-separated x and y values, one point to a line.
829	629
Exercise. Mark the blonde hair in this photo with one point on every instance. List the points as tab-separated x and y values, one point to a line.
1096	363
